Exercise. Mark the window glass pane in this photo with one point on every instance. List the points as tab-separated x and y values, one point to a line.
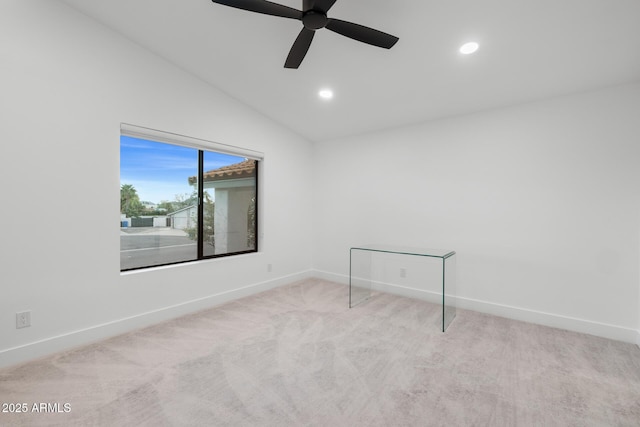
229	208
158	203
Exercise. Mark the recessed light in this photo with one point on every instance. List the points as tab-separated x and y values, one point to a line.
469	48
325	94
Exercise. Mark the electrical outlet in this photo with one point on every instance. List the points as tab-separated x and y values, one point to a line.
403	272
23	319
269	268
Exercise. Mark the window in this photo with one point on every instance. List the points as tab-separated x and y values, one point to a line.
183	199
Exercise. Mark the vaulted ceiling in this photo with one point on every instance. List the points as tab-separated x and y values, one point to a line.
529	50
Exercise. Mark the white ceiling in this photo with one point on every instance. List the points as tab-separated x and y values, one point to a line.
529	49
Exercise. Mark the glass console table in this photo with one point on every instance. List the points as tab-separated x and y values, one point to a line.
360	277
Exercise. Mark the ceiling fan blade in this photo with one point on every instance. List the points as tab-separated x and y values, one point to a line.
323	5
263	6
362	33
299	48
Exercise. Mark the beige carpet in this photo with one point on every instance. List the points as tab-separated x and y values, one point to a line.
297	356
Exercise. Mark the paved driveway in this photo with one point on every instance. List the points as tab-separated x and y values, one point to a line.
146	246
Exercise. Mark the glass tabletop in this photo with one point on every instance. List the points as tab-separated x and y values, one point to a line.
407	250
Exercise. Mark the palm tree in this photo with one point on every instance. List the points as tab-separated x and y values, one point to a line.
129	201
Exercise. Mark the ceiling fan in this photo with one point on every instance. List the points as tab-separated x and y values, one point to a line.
313	17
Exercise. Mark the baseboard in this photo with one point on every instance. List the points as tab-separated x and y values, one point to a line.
599	329
331	277
531	316
35	350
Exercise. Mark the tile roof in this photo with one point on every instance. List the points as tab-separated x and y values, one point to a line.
244	169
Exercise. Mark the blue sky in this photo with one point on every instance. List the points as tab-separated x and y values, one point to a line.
160	171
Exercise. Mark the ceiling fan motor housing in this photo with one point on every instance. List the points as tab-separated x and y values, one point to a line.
314	20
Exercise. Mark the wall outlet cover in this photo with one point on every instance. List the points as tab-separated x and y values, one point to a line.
23	319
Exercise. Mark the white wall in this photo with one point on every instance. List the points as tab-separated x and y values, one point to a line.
540	201
67	84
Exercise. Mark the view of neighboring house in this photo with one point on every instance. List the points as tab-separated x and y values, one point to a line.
233	188
229	212
184	218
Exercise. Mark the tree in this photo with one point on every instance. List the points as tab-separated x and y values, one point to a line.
166	205
184	200
207	228
129	201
